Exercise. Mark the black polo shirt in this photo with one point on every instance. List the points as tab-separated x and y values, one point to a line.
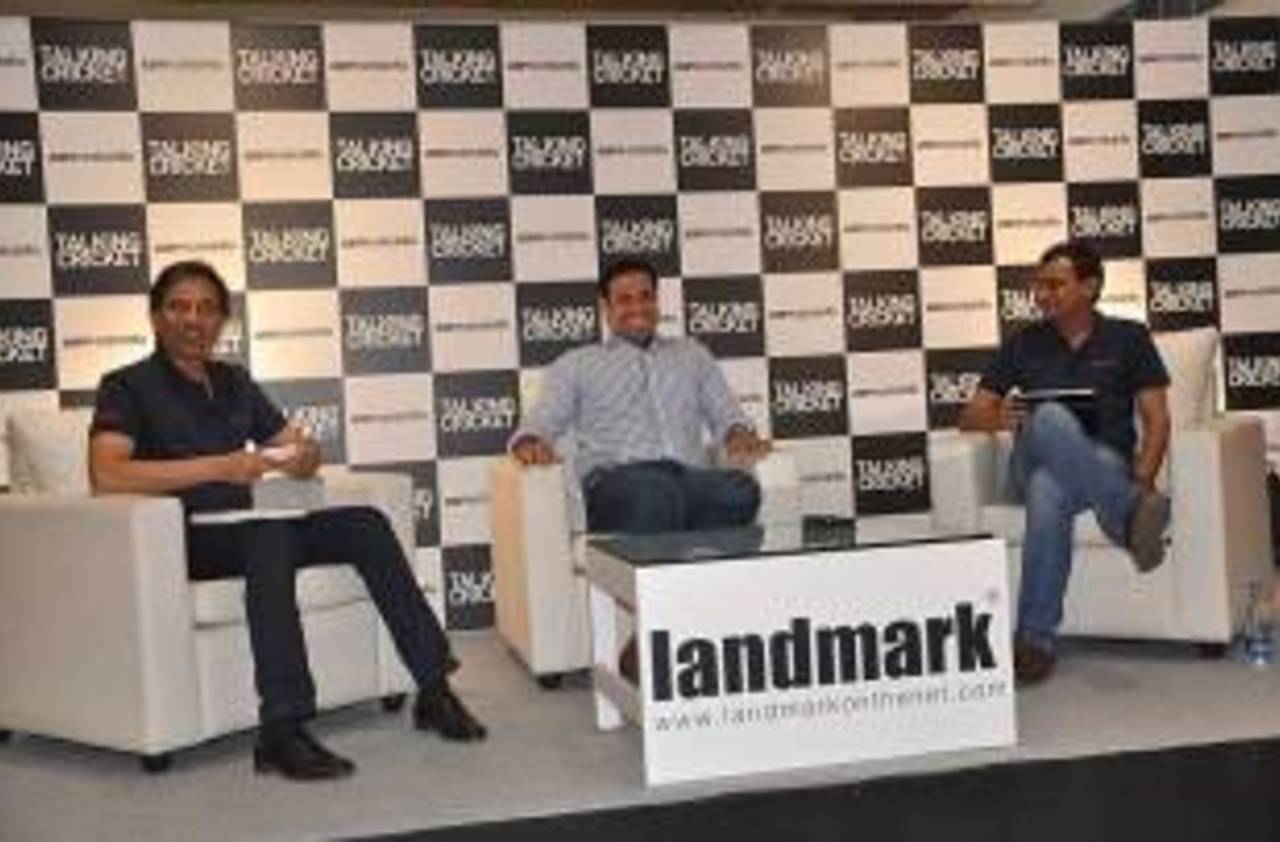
1117	361
169	416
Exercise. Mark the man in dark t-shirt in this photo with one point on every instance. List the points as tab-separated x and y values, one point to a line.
1077	448
177	423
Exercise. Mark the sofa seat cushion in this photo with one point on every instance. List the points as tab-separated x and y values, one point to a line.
221	601
1008	521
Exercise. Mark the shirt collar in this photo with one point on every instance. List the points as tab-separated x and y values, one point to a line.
1098	321
614	342
176	375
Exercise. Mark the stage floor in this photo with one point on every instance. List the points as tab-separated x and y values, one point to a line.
545	757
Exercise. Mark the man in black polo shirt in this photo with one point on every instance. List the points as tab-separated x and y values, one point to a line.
178	423
1074	455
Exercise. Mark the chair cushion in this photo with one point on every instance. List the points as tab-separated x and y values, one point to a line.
1188	355
49	451
221	601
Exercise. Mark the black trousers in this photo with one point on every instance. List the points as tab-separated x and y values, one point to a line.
268	554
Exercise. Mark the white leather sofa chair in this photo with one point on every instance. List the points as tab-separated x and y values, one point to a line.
1219	539
105	641
538	534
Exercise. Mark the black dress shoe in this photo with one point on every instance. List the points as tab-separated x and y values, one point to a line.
298	756
440	710
1032	664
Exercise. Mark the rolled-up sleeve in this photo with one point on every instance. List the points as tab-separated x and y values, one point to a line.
116	408
1147	368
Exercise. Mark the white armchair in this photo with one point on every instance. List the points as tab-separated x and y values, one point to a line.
1219	538
538	534
105	641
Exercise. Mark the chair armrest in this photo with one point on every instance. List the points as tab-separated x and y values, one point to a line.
96	640
1221	519
538	594
779	489
962	478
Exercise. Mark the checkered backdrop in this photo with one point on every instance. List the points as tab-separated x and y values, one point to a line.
412	216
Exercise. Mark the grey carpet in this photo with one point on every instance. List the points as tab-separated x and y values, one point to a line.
544	755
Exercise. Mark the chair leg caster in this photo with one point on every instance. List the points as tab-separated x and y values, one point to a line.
155	764
551	681
1211	651
393	702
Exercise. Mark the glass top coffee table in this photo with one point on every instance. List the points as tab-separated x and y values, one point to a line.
813	534
769	647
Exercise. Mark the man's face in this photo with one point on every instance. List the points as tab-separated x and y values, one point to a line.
189	320
632	304
1060	294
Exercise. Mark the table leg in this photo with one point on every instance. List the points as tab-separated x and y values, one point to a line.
604	648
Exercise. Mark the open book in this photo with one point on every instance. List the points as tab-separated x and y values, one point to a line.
244	515
274	498
1064	395
1077	400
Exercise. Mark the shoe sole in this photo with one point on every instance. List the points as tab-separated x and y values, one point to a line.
1146	544
453	736
263	767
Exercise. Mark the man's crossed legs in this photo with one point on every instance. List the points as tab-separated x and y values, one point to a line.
666	496
1061	472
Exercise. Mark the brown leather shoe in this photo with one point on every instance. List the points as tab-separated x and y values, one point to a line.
629	662
1032	664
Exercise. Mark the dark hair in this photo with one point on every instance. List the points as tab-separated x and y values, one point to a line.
182	270
1084	259
622	267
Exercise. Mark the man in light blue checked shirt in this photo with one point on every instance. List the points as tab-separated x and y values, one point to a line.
639	406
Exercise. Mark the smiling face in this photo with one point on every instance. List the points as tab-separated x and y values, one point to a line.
631	307
1063	296
189	320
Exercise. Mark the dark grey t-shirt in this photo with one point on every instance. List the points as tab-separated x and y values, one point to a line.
1117	361
169	416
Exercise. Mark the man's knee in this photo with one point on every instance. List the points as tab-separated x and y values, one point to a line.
740	496
640	500
1051	421
272	551
722	498
657	501
359	519
360	534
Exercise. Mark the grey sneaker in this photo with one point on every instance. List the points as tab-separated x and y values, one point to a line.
1147	522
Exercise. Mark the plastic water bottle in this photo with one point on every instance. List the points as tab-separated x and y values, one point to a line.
1257	637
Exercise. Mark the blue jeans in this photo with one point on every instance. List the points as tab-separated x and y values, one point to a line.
667	496
1061	472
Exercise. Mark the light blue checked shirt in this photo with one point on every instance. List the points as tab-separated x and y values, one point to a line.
624	403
